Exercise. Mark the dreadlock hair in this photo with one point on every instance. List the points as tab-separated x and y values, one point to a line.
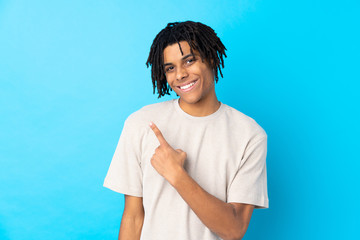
199	37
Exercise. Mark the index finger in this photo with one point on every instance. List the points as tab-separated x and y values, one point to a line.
158	134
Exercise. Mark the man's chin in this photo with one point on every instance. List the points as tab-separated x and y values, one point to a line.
188	100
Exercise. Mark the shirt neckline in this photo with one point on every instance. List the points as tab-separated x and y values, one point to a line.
194	118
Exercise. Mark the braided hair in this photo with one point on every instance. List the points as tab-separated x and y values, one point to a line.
199	37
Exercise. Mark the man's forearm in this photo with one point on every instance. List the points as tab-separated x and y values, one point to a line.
130	228
218	216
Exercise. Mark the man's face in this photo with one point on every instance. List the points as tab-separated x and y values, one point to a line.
187	75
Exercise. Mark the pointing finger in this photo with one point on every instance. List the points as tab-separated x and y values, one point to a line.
158	134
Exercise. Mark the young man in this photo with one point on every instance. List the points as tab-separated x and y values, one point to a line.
190	168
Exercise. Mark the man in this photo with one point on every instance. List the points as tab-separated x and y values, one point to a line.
193	167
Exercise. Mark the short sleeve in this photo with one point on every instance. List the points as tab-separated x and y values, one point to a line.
249	184
125	174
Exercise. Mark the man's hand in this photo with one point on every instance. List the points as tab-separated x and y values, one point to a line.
167	161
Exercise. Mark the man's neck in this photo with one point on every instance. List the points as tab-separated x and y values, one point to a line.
202	108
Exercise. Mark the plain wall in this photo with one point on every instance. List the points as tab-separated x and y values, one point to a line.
72	71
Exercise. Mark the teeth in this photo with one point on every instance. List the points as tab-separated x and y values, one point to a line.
187	86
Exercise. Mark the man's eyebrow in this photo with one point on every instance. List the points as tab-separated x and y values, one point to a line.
189	55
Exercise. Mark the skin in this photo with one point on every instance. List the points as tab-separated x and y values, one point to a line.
181	69
132	219
228	220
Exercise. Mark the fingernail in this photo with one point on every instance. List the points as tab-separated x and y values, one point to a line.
150	124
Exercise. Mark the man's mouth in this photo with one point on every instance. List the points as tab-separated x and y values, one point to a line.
188	86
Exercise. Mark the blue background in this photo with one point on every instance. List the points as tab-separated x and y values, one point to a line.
72	71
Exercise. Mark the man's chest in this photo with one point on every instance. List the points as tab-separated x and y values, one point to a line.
212	160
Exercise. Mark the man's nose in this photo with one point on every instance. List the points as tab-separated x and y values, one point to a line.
181	73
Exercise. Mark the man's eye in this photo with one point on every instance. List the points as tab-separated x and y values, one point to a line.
190	60
169	69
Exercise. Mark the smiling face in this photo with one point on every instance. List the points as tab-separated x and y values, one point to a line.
190	77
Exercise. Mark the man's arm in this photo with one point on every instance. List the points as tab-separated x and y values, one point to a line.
228	220
132	219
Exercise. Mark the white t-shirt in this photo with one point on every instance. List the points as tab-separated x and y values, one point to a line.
226	156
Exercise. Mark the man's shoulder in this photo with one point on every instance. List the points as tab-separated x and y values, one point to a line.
149	112
155	107
240	120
